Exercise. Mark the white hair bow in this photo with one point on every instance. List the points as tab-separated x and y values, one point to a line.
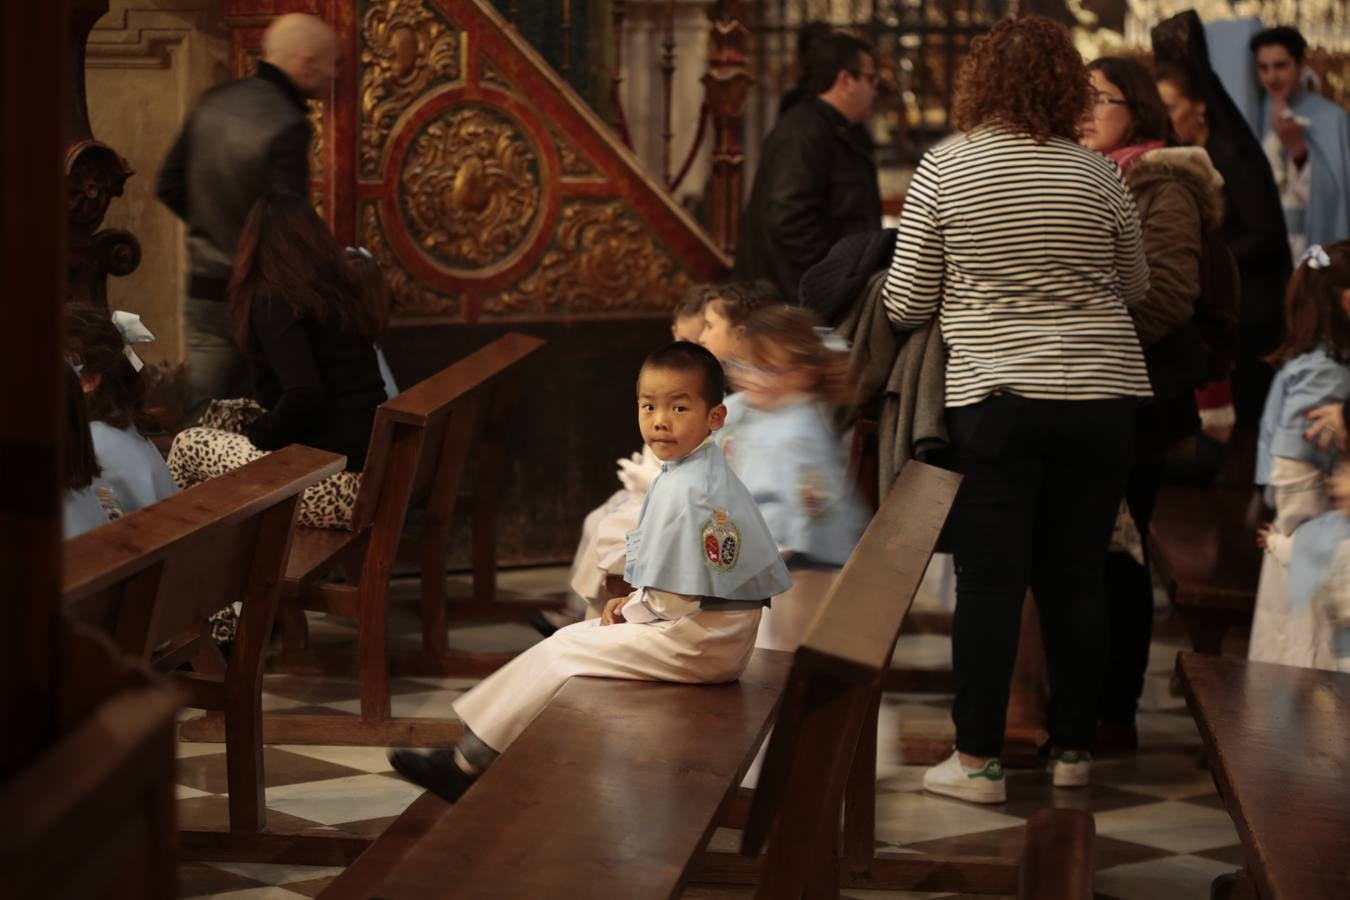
129	325
1315	257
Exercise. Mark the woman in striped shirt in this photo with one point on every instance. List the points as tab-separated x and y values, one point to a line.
1027	247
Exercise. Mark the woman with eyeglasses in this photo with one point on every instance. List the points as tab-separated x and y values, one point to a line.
1179	194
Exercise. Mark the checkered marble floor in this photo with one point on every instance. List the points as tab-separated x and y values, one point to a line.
1161	830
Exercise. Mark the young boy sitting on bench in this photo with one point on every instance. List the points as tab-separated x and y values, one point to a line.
701	561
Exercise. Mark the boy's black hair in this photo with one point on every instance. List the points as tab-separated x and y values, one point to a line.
1284	36
682	356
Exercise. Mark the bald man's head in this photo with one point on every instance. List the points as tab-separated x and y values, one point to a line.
305	48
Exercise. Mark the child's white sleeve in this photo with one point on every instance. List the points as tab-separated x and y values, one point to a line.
652	604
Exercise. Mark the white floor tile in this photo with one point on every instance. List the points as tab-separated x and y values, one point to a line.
1166	728
1178	827
924	651
278	703
259	893
272	873
367	759
338	800
190	749
429	705
1171	877
183	792
499	637
1170	776
910	818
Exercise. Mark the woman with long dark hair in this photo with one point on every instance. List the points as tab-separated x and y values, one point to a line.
308	329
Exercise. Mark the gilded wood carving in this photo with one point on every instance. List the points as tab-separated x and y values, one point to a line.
405	50
602	260
470	187
409	296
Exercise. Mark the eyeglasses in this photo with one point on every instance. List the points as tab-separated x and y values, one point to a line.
1108	100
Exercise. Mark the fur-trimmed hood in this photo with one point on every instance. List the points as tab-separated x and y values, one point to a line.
1189	166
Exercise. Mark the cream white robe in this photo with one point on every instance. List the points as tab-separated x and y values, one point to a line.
709	646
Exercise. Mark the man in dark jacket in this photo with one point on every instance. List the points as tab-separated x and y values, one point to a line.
817	181
243	139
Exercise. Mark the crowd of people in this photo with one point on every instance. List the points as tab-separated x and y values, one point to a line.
1102	261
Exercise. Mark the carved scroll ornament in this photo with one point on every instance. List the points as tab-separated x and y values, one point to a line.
405	50
409	296
470	188
602	261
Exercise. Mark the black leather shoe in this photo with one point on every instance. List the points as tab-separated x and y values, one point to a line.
541	624
436	771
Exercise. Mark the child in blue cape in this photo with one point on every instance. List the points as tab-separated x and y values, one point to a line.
701	562
110	374
785	449
1289	626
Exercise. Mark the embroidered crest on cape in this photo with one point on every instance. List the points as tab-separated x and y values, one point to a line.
721	542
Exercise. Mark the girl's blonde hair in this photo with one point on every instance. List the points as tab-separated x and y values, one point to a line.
773	332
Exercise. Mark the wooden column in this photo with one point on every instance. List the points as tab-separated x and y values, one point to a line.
727	84
32	92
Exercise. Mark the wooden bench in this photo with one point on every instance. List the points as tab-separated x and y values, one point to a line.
420	448
1203	543
1276	739
92	814
616	788
152	578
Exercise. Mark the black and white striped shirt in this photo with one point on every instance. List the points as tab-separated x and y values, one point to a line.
1033	252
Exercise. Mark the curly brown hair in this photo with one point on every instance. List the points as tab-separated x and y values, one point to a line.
1026	77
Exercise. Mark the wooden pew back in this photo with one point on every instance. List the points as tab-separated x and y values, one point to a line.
835	680
159	572
152	579
439	409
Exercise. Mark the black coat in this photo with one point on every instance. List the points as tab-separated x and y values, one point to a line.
1253	221
816	183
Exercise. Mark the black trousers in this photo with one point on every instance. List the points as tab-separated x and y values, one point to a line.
1042	483
1129	604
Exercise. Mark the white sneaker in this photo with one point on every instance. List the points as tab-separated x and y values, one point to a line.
951	779
1070	768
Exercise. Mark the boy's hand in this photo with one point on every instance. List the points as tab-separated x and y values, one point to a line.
1263	535
612	614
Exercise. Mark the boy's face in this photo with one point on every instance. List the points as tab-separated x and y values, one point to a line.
672	414
687	328
720	337
1278	71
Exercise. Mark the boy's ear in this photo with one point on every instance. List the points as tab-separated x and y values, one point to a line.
717	416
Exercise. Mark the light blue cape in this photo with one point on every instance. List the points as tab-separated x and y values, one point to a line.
700	534
1328	139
